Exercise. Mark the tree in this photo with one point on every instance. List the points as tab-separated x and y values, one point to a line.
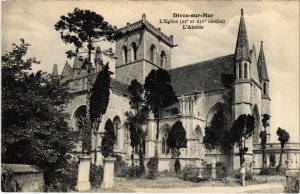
241	130
83	29
215	133
283	137
159	95
176	140
263	137
109	139
34	122
99	101
136	118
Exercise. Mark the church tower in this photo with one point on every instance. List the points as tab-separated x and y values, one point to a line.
141	48
242	84
242	103
264	81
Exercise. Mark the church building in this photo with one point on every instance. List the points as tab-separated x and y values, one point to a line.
237	83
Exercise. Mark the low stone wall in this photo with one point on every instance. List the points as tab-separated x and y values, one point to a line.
22	178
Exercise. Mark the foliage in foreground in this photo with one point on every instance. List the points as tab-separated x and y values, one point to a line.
152	168
34	123
96	175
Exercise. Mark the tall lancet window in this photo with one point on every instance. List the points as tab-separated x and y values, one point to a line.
240	70
245	70
124	54
163	59
265	88
153	54
133	51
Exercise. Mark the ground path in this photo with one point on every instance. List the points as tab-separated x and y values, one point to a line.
259	188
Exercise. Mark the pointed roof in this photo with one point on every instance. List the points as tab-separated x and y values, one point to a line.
55	71
67	71
261	64
254	69
242	46
77	62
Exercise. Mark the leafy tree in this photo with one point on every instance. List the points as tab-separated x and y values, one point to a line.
34	127
263	138
109	139
99	101
159	95
136	118
83	29
215	133
283	137
241	130
176	140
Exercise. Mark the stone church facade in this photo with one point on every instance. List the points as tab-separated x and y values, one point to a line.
237	83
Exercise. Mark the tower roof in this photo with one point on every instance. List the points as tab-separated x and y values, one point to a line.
144	24
261	64
78	61
242	46
55	71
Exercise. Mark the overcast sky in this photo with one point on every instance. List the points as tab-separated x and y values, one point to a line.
275	23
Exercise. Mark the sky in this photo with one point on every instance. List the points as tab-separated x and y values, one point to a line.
274	23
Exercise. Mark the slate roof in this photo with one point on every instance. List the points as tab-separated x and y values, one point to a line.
261	65
207	75
119	86
242	46
19	168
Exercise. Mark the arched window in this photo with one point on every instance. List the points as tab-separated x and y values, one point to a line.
117	127
80	118
163	59
255	114
199	136
245	71
164	146
218	106
264	88
241	70
237	71
133	51
124	54
153	54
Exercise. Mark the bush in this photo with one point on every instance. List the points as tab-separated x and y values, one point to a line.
271	171
121	168
221	169
96	175
152	165
189	174
177	166
248	176
64	179
207	171
134	172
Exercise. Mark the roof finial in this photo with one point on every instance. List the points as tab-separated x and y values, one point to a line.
144	17
242	12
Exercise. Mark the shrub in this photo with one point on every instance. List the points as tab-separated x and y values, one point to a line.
271	171
272	160
207	171
134	172
221	169
248	176
64	179
121	168
189	174
177	166
96	175
152	165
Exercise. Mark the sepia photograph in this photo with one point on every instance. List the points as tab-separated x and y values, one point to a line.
150	96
